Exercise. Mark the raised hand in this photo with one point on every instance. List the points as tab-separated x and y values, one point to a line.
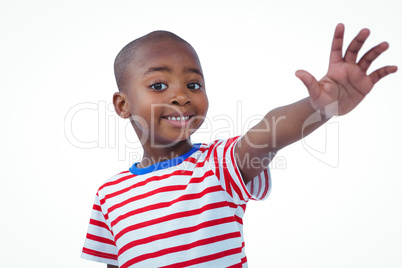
347	81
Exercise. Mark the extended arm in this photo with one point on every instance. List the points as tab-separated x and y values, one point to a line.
337	93
279	128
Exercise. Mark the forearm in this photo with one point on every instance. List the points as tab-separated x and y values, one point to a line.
291	123
284	125
279	128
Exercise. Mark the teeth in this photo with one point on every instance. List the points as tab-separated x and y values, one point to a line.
183	118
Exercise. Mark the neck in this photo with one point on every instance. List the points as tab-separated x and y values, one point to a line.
154	155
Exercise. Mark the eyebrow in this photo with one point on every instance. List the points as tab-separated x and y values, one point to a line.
193	70
157	69
169	70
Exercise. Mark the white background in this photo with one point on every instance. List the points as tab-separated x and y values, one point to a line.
56	55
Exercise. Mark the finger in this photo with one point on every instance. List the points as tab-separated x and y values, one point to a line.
310	82
377	75
356	45
371	55
337	43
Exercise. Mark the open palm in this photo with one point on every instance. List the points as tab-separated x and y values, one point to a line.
347	81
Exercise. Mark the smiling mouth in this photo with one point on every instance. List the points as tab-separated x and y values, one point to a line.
178	121
178	118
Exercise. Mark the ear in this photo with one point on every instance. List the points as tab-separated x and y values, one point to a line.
121	105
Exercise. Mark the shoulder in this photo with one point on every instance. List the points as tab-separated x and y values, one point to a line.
219	144
115	182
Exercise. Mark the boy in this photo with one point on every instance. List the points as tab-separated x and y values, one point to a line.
182	205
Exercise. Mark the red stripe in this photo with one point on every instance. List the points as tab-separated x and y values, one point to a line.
231	140
266	180
237	265
228	178
99	254
240	265
211	148
207	158
238	176
202	163
238	219
236	188
181	248
244	260
98	223
174	216
173	233
169	188
243	206
252	187
165	189
259	185
97	207
100	239
207	259
216	163
110	183
167	204
142	183
204	148
191	160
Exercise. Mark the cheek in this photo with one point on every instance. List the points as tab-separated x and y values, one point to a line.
147	106
200	100
204	105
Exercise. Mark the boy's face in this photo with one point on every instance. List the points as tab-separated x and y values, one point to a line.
165	95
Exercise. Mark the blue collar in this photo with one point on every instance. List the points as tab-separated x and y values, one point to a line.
164	164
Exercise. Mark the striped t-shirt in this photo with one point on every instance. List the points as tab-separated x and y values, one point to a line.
184	212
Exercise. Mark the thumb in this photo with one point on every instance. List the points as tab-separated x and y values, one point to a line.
310	82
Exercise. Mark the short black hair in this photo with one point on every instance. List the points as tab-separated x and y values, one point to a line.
127	54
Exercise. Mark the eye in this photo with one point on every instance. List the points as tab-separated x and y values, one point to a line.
193	86
159	86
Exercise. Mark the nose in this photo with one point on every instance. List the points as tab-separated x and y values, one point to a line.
180	96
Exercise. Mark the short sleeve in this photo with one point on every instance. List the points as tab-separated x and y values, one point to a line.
99	243
227	171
